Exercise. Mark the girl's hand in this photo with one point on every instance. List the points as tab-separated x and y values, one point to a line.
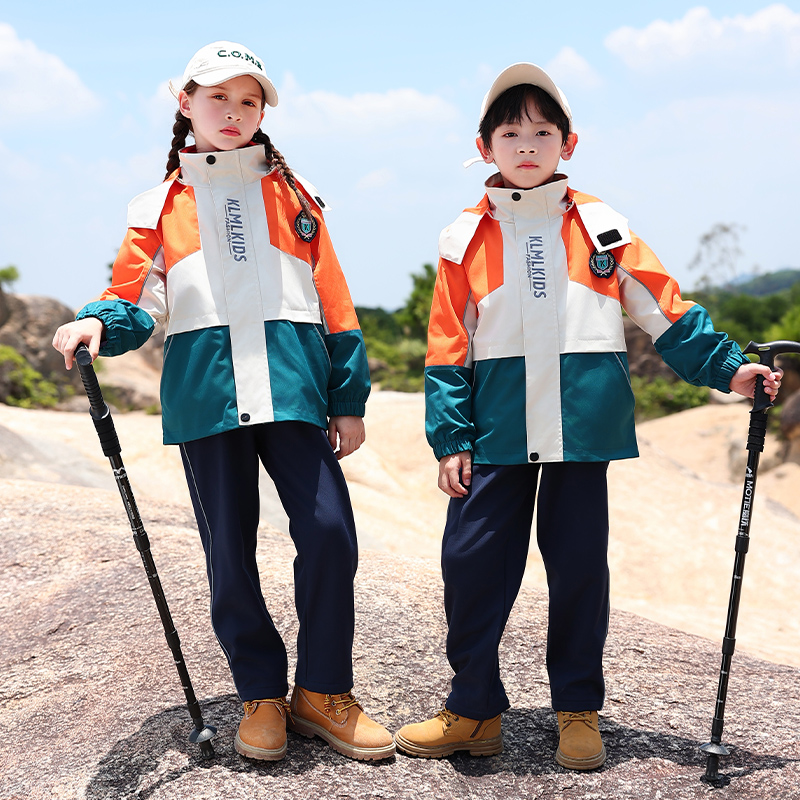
455	473
349	431
743	381
67	338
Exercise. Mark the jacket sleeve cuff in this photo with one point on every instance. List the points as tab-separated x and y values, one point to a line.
442	449
735	359
127	327
346	408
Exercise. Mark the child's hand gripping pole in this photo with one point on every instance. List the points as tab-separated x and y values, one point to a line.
104	424
766	355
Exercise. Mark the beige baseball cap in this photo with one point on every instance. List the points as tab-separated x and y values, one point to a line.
219	62
525	72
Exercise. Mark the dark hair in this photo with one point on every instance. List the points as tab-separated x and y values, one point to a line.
183	127
513	103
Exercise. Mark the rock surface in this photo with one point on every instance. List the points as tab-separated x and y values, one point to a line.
673	510
27	323
92	707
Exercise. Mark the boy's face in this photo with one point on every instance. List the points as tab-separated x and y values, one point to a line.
527	152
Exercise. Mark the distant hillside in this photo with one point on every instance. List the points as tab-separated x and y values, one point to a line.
762	285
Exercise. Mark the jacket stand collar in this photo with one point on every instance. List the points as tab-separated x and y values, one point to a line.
245	165
549	200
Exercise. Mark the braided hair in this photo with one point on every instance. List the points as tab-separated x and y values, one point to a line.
275	158
180	130
183	127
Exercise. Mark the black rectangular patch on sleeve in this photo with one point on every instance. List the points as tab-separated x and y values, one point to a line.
609	237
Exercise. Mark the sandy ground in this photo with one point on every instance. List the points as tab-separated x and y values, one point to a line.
674	511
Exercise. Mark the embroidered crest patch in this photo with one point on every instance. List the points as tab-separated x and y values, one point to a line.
602	264
306	228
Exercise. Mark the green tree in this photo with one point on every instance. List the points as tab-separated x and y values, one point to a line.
744	317
787	328
396	341
414	315
8	276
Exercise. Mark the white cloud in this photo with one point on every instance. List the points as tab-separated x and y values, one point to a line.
771	35
36	83
571	70
359	115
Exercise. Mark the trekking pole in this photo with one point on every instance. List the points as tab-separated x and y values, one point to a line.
101	416
755	445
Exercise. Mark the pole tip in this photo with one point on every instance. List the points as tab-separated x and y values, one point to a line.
203	736
712	776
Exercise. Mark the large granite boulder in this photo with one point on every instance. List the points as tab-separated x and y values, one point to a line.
92	707
790	427
27	324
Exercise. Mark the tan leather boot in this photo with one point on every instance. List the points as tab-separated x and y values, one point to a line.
262	732
341	722
448	732
579	744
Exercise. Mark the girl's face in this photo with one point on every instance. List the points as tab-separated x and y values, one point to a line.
224	117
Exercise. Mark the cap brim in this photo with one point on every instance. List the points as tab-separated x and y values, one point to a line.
520	73
217	76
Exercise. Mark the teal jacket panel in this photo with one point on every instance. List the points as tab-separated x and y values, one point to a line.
448	410
699	354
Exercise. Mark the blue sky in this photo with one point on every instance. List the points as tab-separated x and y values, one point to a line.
687	116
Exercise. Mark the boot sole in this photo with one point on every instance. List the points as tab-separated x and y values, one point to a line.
259	753
481	747
591	762
311	729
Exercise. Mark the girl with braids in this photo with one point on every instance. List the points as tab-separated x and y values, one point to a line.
263	361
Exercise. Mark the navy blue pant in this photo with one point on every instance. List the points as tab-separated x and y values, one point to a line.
222	473
484	550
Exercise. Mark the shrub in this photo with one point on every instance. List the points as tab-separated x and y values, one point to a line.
22	384
657	397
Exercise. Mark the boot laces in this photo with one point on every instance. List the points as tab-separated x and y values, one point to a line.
577	716
448	717
279	702
341	702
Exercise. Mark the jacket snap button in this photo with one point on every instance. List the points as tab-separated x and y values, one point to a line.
211	159
245	418
534	456
516	196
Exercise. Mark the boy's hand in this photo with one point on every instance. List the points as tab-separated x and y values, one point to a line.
67	338
450	468
350	434
743	381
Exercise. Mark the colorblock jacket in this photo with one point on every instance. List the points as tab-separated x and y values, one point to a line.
259	322
526	353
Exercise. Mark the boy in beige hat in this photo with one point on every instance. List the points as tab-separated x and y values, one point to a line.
527	383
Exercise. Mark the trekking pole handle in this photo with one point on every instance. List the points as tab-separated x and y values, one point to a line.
101	416
84	361
766	355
